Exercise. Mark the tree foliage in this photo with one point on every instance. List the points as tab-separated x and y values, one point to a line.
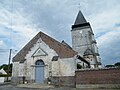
5	67
109	66
117	64
5	75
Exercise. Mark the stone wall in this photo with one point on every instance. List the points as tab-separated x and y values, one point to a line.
98	77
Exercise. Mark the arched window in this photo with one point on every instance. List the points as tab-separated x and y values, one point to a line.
39	62
79	66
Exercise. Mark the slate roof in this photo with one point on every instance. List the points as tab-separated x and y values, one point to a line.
62	50
88	52
80	19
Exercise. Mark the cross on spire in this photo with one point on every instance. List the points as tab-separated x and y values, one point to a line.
79	6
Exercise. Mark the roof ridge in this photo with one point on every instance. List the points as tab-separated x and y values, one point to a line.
54	44
56	41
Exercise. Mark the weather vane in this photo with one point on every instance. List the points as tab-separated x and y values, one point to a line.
79	6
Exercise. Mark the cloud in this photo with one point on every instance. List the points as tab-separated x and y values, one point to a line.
55	18
3	52
15	30
109	46
1	44
104	18
105	23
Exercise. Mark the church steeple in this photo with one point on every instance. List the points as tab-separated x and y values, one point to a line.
80	19
83	40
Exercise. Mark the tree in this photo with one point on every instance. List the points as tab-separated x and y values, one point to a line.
5	67
109	66
117	64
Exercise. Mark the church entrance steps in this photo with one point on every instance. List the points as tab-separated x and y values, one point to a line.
35	85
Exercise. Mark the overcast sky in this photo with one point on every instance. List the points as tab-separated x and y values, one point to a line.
21	20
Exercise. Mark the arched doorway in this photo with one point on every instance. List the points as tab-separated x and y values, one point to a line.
39	72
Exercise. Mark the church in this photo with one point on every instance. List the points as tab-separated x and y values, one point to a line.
46	60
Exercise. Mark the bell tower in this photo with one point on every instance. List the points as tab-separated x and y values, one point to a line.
83	41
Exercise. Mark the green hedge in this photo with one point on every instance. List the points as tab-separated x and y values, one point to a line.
5	75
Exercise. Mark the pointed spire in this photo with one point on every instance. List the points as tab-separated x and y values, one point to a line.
80	19
88	52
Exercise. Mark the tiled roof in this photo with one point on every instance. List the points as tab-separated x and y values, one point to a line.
64	43
62	50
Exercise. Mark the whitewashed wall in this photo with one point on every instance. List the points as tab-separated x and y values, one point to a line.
79	42
2	79
55	68
62	67
67	67
30	73
15	69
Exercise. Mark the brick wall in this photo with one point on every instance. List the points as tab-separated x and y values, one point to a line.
103	76
64	81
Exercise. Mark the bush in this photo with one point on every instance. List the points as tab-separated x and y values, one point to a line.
5	75
109	66
117	64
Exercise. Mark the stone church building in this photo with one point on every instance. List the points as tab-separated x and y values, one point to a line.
45	59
